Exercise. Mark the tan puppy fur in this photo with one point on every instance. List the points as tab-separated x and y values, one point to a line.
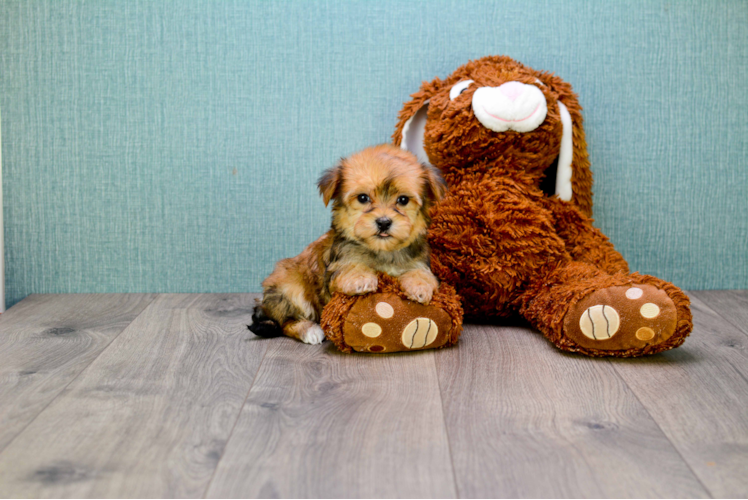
380	215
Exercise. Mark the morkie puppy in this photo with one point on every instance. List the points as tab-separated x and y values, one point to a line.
380	215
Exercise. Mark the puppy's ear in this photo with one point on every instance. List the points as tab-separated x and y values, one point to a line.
329	182
435	186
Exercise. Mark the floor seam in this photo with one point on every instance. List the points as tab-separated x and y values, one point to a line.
446	430
675	447
236	422
155	296
726	318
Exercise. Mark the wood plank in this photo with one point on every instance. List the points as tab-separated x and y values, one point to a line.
527	420
151	415
48	340
698	394
732	305
319	423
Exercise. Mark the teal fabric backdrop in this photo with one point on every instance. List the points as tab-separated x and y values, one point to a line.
174	145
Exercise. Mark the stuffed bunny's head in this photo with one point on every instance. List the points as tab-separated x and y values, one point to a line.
494	115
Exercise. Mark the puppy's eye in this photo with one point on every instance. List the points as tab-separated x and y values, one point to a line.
403	200
363	199
459	88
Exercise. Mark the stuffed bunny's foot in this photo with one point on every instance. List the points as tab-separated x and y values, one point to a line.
622	318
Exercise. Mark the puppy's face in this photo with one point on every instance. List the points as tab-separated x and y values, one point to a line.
381	197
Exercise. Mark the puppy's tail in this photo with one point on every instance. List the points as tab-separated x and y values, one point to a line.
264	326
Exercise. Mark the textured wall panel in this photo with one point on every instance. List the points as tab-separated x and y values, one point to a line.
154	146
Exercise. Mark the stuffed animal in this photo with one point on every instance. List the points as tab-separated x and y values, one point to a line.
513	234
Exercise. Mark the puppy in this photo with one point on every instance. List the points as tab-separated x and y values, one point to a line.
380	215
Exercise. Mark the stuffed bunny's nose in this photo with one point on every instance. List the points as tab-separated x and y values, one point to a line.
512	90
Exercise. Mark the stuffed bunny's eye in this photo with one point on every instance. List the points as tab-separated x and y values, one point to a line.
459	88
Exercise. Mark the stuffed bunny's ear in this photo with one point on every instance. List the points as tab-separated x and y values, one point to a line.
412	135
565	156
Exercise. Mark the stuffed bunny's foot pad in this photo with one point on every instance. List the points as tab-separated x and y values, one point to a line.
621	318
387	321
384	322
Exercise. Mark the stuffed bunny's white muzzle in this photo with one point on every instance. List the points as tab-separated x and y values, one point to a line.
511	106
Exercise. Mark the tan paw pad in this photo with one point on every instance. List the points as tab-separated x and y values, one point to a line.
645	333
634	293
419	333
600	322
650	310
384	310
371	330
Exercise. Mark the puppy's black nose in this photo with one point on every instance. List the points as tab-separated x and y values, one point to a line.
383	223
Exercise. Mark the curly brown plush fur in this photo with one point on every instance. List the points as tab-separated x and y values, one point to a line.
505	241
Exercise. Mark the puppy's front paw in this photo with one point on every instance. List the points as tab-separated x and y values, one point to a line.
421	293
418	289
313	335
358	284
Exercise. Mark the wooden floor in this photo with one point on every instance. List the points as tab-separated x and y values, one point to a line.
171	396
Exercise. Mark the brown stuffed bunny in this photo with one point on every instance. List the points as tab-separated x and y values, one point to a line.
514	233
